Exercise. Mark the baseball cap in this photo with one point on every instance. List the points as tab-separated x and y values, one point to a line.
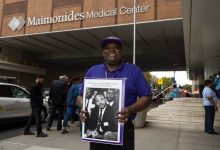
111	39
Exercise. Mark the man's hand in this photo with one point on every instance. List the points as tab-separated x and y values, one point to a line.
123	115
89	133
82	115
216	108
95	134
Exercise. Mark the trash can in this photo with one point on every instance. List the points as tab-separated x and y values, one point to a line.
141	118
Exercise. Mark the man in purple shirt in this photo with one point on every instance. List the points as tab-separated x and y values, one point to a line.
135	86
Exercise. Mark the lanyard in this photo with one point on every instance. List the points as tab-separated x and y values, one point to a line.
114	74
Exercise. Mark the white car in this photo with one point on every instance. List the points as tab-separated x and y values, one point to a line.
15	104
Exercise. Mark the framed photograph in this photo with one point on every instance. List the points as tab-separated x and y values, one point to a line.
102	99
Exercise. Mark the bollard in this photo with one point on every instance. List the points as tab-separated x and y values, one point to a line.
141	118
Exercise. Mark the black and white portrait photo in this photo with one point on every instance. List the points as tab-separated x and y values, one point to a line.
101	105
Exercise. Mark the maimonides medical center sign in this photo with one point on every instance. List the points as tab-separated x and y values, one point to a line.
75	16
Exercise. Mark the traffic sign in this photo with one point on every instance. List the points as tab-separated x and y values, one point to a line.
160	81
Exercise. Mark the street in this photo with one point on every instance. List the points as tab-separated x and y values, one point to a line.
15	129
154	138
11	130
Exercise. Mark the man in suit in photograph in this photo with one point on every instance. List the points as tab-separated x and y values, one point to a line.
112	97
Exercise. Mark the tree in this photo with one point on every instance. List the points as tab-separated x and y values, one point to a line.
166	82
187	87
154	82
148	77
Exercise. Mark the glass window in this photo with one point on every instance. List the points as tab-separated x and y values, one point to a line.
5	91
18	93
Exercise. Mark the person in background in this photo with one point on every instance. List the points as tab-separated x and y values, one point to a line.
57	95
135	86
182	94
71	106
36	99
175	92
217	83
210	106
168	95
213	78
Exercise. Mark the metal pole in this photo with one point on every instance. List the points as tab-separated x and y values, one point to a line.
134	37
174	74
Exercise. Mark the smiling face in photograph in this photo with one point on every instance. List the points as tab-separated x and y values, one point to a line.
101	101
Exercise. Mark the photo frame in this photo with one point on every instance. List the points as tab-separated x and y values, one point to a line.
102	99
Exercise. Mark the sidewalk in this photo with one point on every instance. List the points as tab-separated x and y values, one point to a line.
149	138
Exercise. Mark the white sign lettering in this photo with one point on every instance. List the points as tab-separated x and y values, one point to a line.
55	19
75	16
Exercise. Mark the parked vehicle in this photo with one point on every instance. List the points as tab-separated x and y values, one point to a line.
47	100
15	104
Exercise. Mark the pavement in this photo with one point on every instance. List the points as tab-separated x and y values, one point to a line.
150	138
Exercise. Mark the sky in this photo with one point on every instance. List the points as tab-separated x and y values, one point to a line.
180	76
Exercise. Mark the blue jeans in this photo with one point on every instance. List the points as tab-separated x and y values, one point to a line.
68	115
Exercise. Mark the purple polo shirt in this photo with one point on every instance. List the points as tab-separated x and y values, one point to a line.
135	84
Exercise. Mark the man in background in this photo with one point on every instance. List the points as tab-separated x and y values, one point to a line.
210	105
57	95
71	107
36	99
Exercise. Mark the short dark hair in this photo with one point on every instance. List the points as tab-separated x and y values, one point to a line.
208	82
40	76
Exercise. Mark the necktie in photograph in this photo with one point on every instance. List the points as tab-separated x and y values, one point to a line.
100	116
99	121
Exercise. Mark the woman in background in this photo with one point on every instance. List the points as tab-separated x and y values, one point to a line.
71	106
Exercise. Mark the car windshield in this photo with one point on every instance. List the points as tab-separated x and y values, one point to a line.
19	93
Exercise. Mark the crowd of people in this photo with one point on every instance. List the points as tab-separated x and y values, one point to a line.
175	92
170	93
100	110
63	93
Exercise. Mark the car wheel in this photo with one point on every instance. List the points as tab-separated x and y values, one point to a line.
43	114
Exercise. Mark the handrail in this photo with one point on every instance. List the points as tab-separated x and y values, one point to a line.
164	91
